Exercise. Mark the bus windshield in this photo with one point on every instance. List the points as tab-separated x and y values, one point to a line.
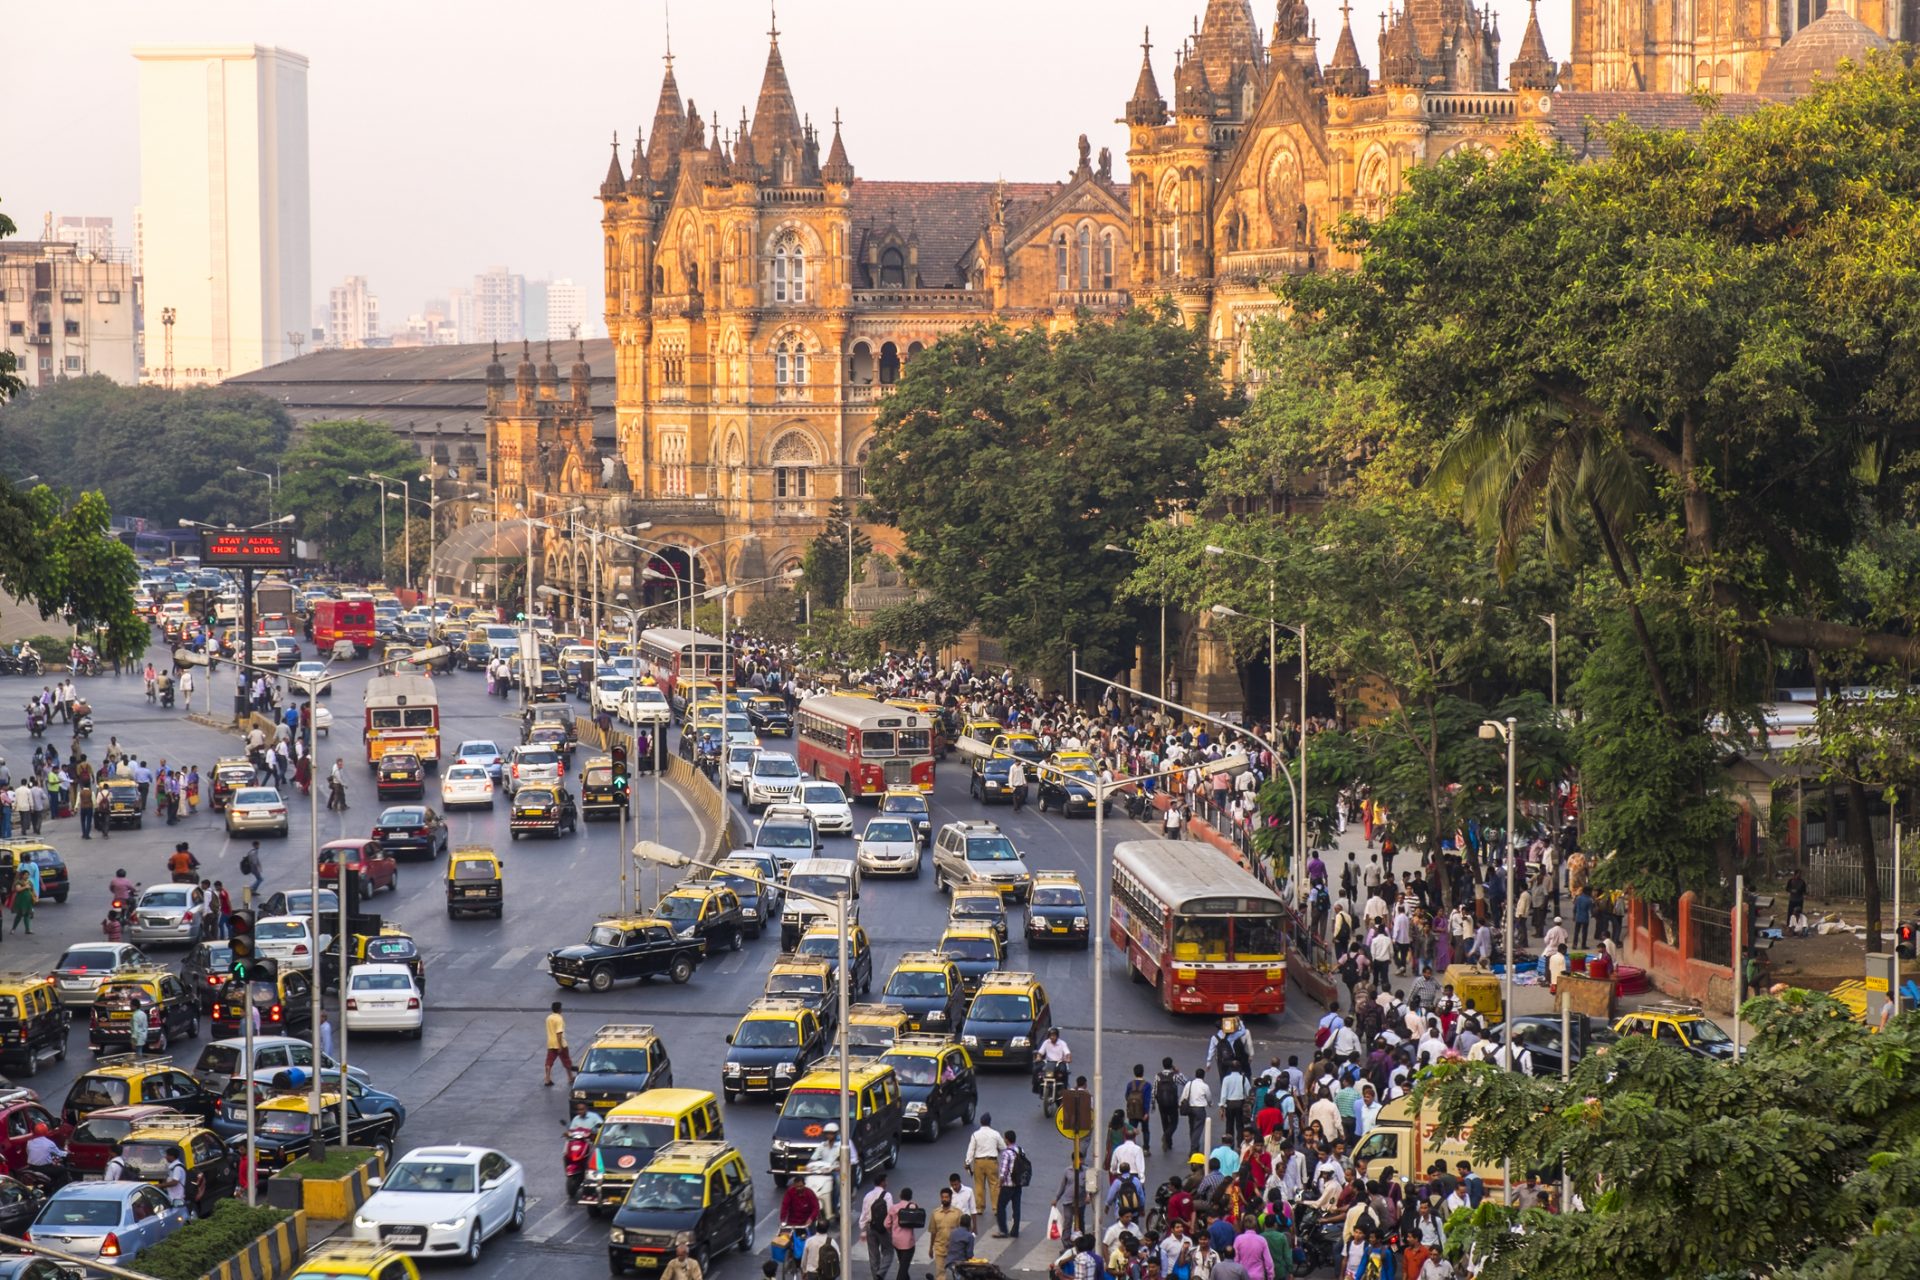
876	742
1218	938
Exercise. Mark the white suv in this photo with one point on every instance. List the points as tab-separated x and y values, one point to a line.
774	779
645	704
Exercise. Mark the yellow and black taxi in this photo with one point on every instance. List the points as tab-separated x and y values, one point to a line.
927	985
1070	782
873	1028
695	1193
126	1080
808	979
1009	1015
937	1084
942	743
172	1013
1018	742
212	1166
909	803
625	947
976	950
602	791
33	1022
544	808
982	731
991	780
283	1004
287	1123
1680	1027
707	910
122	802
476	882
688	694
339	1259
400	773
759	900
873	1108
771	1047
1057	913
391	945
768	714
626	1141
823	942
624	1059
979	904
228	776
18	854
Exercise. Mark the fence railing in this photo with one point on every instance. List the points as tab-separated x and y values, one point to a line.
1835	871
1712	935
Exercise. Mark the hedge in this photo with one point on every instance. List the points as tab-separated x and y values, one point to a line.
201	1245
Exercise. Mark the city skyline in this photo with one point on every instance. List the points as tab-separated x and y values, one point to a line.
515	184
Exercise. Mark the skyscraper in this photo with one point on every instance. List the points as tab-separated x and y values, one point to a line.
566	309
499	307
353	314
224	208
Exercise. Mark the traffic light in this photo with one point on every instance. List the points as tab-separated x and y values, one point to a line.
620	767
240	944
1904	942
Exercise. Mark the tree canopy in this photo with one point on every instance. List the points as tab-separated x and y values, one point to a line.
1010	458
339	513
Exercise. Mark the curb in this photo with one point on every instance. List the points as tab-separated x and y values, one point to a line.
269	1256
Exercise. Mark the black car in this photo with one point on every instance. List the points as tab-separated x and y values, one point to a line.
1539	1035
299	902
285	1132
1057	912
400	774
1069	790
938	1087
768	714
405	829
545	808
754	901
205	971
989	783
616	950
772	1047
54	882
617	1066
19	1204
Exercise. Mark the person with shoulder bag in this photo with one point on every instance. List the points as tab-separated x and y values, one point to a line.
904	1222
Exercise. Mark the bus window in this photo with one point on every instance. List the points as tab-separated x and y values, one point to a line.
1200	938
419	717
1257	938
876	742
915	742
385	717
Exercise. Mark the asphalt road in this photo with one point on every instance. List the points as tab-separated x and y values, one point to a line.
475	1077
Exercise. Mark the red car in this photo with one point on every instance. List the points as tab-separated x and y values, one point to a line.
100	1135
20	1111
365	858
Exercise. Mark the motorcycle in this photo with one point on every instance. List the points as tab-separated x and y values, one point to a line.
166	692
579	1152
1319	1237
83	718
120	915
36	719
1053	1081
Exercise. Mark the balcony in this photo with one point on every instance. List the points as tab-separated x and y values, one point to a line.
1092	299
1264	264
917	299
794	509
683	305
869	392
685	510
1479	105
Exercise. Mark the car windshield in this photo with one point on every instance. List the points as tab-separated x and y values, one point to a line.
382	982
90	958
917	983
92	1093
539	759
256	795
616	1061
889	832
978	906
784	837
288	1123
164	898
635	1133
1058	896
534	798
477	749
742	886
613	684
811	1104
676	908
1701	1031
219	1059
767	1034
824	945
912	1070
391	949
991	849
400	816
996	1007
146	1157
969	948
824	793
105	1131
903	804
430	1176
466	773
472	869
602	935
776	767
796	984
76	1211
741	755
272	930
667	1191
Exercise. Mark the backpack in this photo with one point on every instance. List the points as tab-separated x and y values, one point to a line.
877	1216
1127	1198
829	1261
1167	1088
246	865
1139	1093
1022	1171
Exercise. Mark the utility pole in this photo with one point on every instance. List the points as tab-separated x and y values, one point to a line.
167	316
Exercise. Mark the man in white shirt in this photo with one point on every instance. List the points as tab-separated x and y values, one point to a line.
1380	951
1128	1158
1556	936
1196	1102
983	1157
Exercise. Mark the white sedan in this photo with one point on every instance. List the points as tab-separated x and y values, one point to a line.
832	815
444	1202
466	784
740	764
289	940
315	672
252	810
889	846
383	997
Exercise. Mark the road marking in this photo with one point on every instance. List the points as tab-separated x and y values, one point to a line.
733	963
512	957
549	1225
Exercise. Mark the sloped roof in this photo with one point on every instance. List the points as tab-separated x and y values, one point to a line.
1579	118
947	217
1818	49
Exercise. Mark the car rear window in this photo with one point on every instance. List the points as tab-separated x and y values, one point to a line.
539	759
94	958
275	929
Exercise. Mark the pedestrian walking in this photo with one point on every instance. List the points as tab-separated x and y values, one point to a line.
326	1034
85	805
983	1159
903	1228
1195	1103
1015	1172
876	1215
24	898
557	1045
1017	779
250	866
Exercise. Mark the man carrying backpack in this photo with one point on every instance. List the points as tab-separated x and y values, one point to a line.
1016	1171
1168	1086
1139	1105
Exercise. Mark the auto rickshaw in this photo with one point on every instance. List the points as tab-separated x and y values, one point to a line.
476	882
228	777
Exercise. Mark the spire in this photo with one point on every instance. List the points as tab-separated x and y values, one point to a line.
1228	43
776	121
523	374
615	181
1533	69
838	168
1146	106
669	126
549	371
745	167
1345	75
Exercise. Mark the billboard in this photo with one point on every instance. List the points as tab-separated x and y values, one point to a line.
242	548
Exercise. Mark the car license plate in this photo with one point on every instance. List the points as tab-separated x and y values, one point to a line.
474	893
646	1260
406	1239
396	777
1230	1008
996	1053
1060	928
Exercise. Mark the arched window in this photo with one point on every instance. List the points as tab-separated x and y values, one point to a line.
913	349
1106	260
789	269
893	269
860	365
889	364
857	473
1060	263
794	458
779	364
1085	246
790	363
659	279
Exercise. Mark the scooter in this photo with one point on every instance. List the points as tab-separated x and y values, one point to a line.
36	719
579	1151
1319	1237
83	719
166	693
821	1180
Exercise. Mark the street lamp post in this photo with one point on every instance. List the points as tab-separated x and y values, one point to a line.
1553	659
1509	733
273	483
406	520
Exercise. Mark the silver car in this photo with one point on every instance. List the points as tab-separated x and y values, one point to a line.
256	809
531	763
889	846
173	913
83	968
739	764
81	1217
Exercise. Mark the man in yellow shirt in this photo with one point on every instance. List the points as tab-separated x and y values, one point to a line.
557	1046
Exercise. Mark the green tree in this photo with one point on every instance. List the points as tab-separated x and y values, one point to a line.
918	625
10	382
826	559
773	617
342	515
1799	1159
1011	457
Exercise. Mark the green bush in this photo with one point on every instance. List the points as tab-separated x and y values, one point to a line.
200	1246
338	1163
53	650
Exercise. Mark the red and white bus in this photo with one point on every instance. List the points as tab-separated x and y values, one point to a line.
863	745
673	654
1198	927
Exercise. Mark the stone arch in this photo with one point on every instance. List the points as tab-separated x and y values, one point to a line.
792	252
1374	183
795	455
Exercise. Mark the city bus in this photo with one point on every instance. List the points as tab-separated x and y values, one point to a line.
863	745
1199	928
671	655
403	714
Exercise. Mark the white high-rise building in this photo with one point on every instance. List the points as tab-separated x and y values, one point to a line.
353	314
224	205
499	307
566	309
90	233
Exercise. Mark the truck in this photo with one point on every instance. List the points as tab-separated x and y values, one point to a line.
337	620
273	595
1411	1142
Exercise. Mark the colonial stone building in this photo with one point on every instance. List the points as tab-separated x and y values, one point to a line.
763	297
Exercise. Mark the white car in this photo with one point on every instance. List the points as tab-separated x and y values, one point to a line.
645	704
287	939
314	671
322	721
444	1202
607	690
383	997
775	779
832	815
889	846
256	810
466	784
739	764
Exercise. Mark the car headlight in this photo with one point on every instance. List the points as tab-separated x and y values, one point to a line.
733	1068
916	1108
1079	922
617	1236
783	1069
970	1041
1021	1042
363	1223
750	913
456	1224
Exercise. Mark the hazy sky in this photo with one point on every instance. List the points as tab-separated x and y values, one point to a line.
448	135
